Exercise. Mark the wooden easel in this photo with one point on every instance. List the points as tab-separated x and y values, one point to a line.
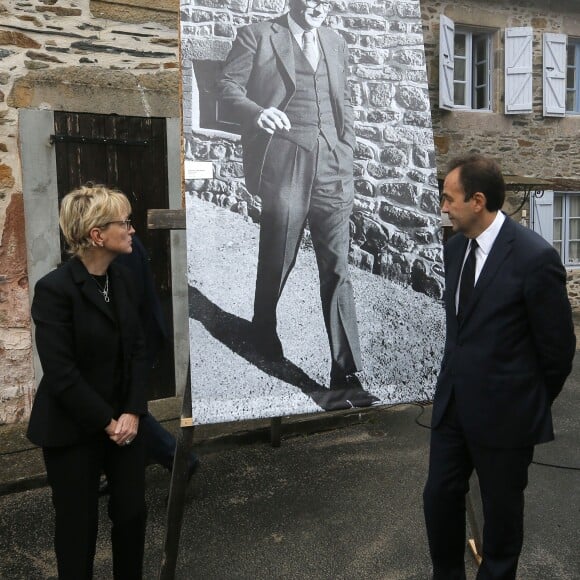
163	219
178	485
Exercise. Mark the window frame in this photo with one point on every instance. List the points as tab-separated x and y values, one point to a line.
573	42
448	60
564	240
470	88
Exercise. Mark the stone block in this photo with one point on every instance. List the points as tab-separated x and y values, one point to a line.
205	49
395	156
412	98
235	5
402	218
364	187
408	9
381	94
231	169
423	281
410	57
272	6
377	170
405	193
17	39
361	259
60	10
366	24
368	132
395	267
363	151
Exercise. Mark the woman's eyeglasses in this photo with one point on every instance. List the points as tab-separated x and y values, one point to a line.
126	223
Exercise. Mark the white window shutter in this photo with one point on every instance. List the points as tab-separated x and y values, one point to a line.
518	70
554	75
446	62
543	215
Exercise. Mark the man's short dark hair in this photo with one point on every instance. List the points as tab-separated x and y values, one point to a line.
480	173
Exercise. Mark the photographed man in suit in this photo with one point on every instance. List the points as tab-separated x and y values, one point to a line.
285	82
508	350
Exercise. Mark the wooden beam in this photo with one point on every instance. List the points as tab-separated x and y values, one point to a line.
166	219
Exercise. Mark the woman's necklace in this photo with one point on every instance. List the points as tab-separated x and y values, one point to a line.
103	291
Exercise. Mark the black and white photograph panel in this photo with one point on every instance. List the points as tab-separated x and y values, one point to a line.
313	224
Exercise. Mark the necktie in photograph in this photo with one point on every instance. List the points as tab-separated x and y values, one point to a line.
467	281
309	48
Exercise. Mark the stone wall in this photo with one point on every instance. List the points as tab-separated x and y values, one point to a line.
396	222
574	288
58	54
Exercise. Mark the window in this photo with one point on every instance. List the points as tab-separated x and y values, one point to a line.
572	77
556	217
465	67
201	109
471	80
566	232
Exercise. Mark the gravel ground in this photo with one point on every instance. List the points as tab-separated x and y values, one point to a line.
401	331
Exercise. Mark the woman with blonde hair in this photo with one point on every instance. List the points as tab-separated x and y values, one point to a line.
92	393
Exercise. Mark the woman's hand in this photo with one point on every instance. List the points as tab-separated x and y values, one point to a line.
110	430
124	430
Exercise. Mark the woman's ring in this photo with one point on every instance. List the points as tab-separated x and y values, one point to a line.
128	442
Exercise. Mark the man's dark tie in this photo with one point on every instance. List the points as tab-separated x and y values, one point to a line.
467	281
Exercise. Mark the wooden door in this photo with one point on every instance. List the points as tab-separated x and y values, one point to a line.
129	154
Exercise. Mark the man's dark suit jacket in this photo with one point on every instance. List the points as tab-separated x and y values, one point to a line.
82	361
508	360
148	304
260	73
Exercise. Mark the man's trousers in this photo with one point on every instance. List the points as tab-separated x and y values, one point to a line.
317	185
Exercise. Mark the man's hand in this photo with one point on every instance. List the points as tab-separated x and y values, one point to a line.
271	119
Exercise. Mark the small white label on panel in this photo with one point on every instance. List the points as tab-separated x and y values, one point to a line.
198	169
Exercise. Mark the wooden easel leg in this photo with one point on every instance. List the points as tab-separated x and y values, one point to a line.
474	542
275	431
177	489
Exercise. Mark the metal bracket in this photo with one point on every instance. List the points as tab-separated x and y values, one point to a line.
98	140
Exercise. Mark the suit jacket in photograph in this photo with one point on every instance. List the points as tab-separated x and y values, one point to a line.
508	360
78	342
259	73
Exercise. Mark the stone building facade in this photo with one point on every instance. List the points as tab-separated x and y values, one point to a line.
123	57
529	144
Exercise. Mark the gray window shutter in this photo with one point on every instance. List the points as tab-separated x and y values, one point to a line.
446	63
543	215
518	70
554	75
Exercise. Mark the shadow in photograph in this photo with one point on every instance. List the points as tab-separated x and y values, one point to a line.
236	333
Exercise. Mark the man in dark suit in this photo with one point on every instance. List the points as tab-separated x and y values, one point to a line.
285	82
508	350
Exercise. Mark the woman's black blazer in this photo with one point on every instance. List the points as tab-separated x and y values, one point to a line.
91	362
